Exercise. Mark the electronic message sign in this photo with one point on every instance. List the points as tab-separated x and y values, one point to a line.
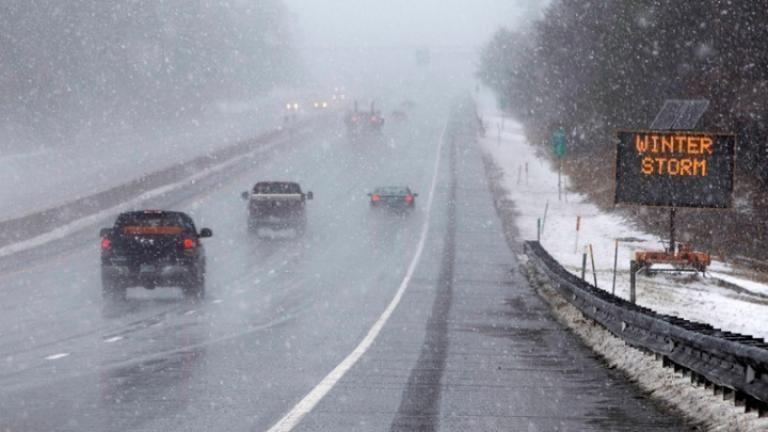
674	169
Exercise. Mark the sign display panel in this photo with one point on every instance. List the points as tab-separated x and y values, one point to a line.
674	169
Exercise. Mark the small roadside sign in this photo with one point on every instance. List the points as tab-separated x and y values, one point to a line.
559	148
502	102
558	143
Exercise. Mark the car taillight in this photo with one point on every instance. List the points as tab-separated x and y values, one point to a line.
409	198
106	244
189	243
375	198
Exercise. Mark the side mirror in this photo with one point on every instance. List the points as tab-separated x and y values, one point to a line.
104	232
245	195
310	195
205	232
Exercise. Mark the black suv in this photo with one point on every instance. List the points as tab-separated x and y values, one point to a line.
153	248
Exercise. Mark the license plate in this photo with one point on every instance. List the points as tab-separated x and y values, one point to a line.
147	268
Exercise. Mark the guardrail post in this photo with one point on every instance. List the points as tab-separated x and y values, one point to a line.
632	280
615	264
583	265
538	230
739	399
592	258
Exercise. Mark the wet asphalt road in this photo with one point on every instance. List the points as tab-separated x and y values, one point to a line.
470	346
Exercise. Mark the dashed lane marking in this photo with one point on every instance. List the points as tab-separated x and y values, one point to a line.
57	356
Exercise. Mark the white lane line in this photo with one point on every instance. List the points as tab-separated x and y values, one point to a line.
113	339
294	416
57	356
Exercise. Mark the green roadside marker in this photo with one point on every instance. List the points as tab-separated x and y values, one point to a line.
558	143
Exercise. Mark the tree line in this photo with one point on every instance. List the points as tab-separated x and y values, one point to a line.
593	67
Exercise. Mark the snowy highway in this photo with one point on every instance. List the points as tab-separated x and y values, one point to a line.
356	215
469	346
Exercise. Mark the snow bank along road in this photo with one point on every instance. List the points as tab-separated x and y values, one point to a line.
469	347
731	306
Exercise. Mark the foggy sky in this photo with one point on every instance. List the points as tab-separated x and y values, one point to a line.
406	23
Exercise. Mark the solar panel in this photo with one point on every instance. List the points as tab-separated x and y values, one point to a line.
667	116
680	114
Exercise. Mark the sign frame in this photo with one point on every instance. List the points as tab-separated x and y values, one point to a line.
639	203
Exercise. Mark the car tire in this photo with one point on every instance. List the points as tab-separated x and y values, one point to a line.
301	228
112	290
253	226
195	287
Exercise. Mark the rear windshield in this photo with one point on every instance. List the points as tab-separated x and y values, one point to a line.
391	190
276	188
154	223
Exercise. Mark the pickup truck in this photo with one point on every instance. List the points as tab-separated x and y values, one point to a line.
152	248
277	205
358	122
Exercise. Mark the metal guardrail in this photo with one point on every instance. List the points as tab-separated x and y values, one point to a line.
733	364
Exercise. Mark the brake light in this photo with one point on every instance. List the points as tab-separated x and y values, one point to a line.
105	243
375	198
189	243
409	198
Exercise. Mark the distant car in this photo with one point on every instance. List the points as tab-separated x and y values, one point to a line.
359	122
291	111
339	94
153	248
393	197
277	205
398	116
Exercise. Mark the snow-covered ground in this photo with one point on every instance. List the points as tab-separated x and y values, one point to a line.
43	178
728	298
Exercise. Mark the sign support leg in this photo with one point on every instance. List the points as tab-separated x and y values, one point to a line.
633	269
672	245
615	264
559	171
